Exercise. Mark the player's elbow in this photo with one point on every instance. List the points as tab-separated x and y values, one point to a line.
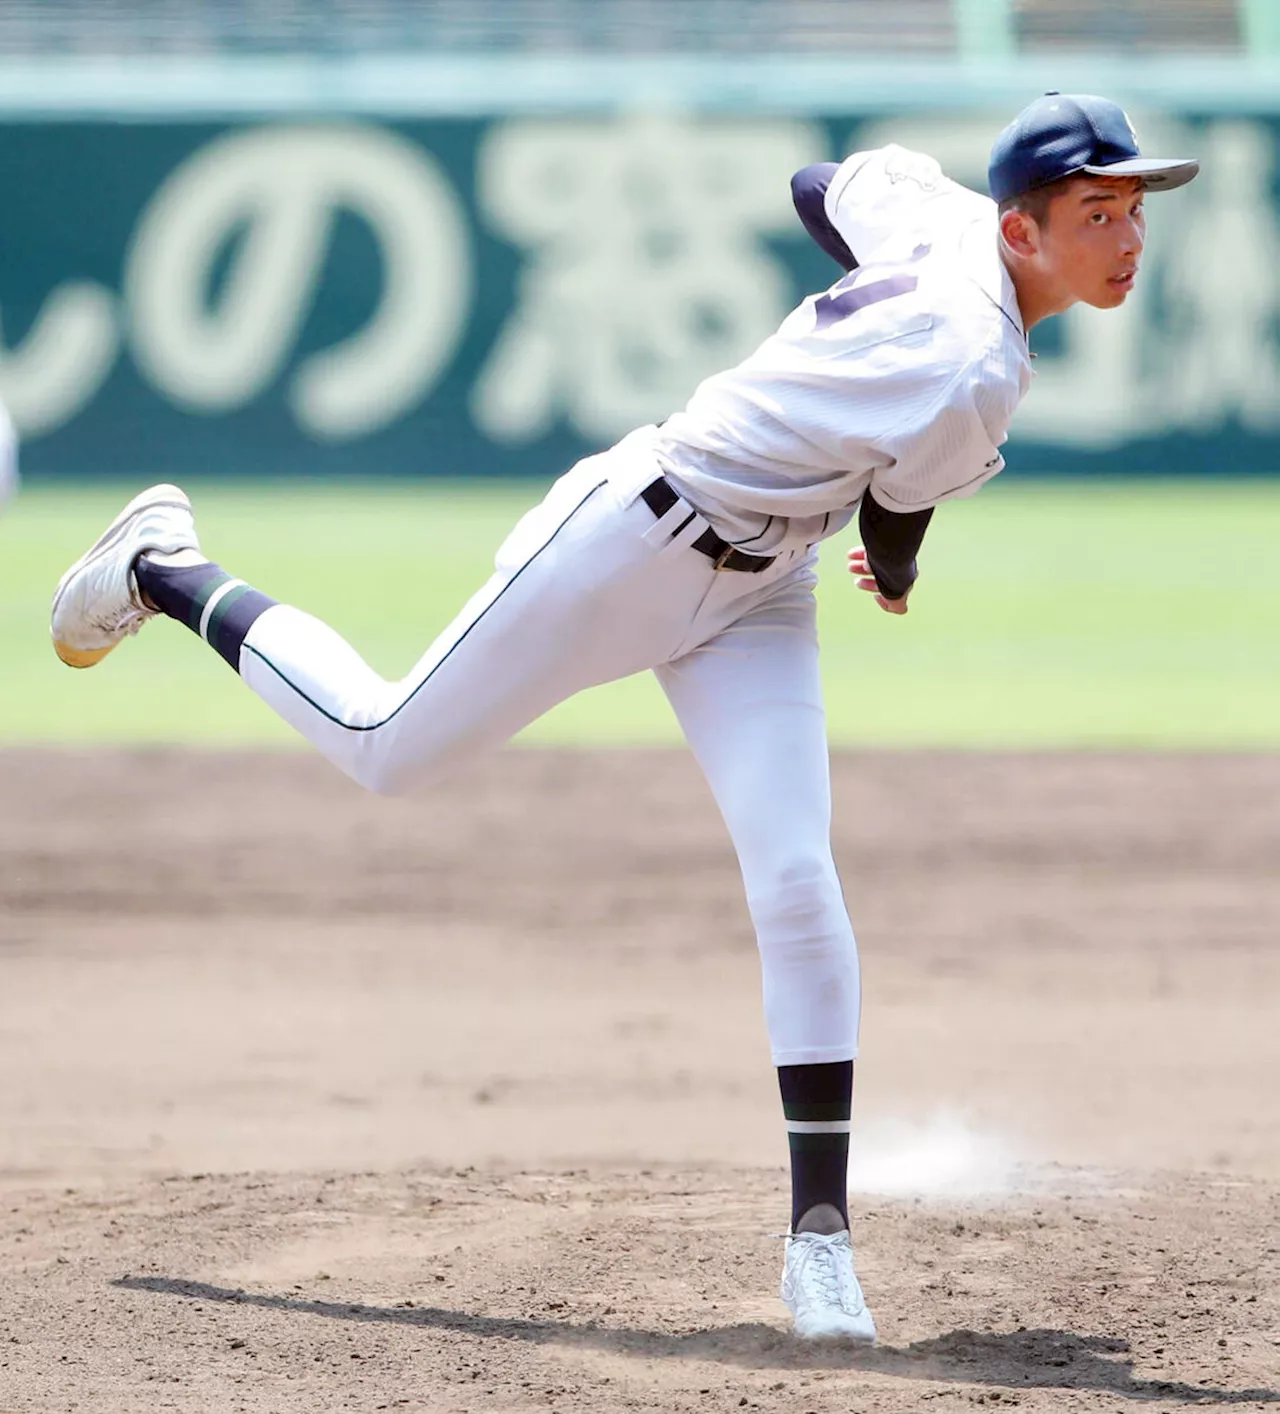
809	194
809	185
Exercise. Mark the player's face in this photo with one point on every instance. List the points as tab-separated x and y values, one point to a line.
1093	239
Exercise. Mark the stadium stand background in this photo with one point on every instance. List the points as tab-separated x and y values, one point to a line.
936	27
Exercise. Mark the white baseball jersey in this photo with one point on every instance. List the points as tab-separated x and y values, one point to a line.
903	376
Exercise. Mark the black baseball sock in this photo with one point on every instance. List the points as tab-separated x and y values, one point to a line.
212	603
817	1101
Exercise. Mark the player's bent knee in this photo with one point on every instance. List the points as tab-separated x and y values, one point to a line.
387	768
793	882
381	773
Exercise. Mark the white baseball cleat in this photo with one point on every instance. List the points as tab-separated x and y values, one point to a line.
821	1289
97	603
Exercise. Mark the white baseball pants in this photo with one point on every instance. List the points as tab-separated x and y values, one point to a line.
590	587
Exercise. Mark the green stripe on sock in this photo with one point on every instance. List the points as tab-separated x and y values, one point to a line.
195	611
824	1110
221	607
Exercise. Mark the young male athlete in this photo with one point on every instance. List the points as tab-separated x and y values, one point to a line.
688	549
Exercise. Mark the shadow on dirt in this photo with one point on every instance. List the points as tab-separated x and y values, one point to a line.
1023	1359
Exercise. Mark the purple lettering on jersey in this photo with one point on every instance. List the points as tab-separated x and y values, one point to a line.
853	297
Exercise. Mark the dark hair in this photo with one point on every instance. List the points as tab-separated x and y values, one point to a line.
1036	202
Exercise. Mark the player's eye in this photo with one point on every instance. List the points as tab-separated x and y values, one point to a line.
1098	218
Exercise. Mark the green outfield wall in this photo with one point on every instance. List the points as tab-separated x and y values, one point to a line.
300	275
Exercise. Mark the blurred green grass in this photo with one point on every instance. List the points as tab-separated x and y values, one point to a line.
1050	614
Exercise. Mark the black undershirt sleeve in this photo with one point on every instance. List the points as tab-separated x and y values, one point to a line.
892	539
808	192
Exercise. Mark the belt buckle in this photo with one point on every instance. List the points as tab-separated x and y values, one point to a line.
723	557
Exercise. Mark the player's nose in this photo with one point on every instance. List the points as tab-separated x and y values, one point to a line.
1133	236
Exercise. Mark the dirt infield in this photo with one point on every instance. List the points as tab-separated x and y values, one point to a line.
311	1101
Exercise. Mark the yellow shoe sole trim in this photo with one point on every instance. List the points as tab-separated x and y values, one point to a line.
80	657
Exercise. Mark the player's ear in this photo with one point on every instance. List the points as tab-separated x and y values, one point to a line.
1020	232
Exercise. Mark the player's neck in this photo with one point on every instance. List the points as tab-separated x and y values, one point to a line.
1039	296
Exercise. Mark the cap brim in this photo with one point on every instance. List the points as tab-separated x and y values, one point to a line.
1157	173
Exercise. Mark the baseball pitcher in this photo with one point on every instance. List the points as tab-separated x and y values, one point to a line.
689	549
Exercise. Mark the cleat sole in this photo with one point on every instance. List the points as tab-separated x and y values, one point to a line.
81	657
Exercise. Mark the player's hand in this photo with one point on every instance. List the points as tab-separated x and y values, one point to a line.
859	567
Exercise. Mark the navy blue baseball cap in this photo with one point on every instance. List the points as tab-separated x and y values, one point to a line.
1063	134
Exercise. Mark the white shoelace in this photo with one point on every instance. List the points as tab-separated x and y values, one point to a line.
823	1277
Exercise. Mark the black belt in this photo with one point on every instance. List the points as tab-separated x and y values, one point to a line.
660	496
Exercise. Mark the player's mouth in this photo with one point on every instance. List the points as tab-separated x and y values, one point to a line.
1124	283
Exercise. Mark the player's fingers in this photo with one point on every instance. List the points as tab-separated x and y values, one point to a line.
892	606
869	585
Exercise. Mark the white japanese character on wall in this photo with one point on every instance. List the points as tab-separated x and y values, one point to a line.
1223	287
645	270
